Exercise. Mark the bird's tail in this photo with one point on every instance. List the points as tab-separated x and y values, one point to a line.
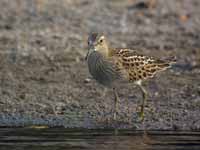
166	63
171	60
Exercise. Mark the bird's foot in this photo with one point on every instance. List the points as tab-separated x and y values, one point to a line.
115	114
141	111
141	115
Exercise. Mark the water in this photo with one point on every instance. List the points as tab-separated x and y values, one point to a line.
65	139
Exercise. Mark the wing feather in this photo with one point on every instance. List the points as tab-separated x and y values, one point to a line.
138	66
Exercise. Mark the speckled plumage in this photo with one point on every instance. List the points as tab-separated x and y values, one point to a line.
107	65
136	66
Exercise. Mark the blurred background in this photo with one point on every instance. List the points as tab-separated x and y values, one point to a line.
44	77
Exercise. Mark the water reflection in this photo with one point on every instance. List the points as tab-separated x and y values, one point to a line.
65	139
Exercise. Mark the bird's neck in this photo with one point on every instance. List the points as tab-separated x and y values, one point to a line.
111	52
105	52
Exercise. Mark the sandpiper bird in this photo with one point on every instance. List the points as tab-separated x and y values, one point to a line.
108	65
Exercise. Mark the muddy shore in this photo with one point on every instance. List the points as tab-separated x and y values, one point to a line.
44	77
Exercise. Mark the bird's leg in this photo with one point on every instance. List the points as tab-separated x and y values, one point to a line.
115	103
144	96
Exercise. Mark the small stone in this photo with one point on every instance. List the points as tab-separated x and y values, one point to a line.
87	80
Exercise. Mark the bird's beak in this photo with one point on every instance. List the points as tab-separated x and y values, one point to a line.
90	49
87	55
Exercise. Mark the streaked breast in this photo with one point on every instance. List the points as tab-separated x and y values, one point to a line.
101	69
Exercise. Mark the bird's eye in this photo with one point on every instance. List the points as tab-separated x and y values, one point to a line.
101	41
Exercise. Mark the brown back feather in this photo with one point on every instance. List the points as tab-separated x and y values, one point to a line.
137	66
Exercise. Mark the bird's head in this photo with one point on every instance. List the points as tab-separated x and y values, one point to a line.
97	42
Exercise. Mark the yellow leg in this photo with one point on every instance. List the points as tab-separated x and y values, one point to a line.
144	96
115	103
